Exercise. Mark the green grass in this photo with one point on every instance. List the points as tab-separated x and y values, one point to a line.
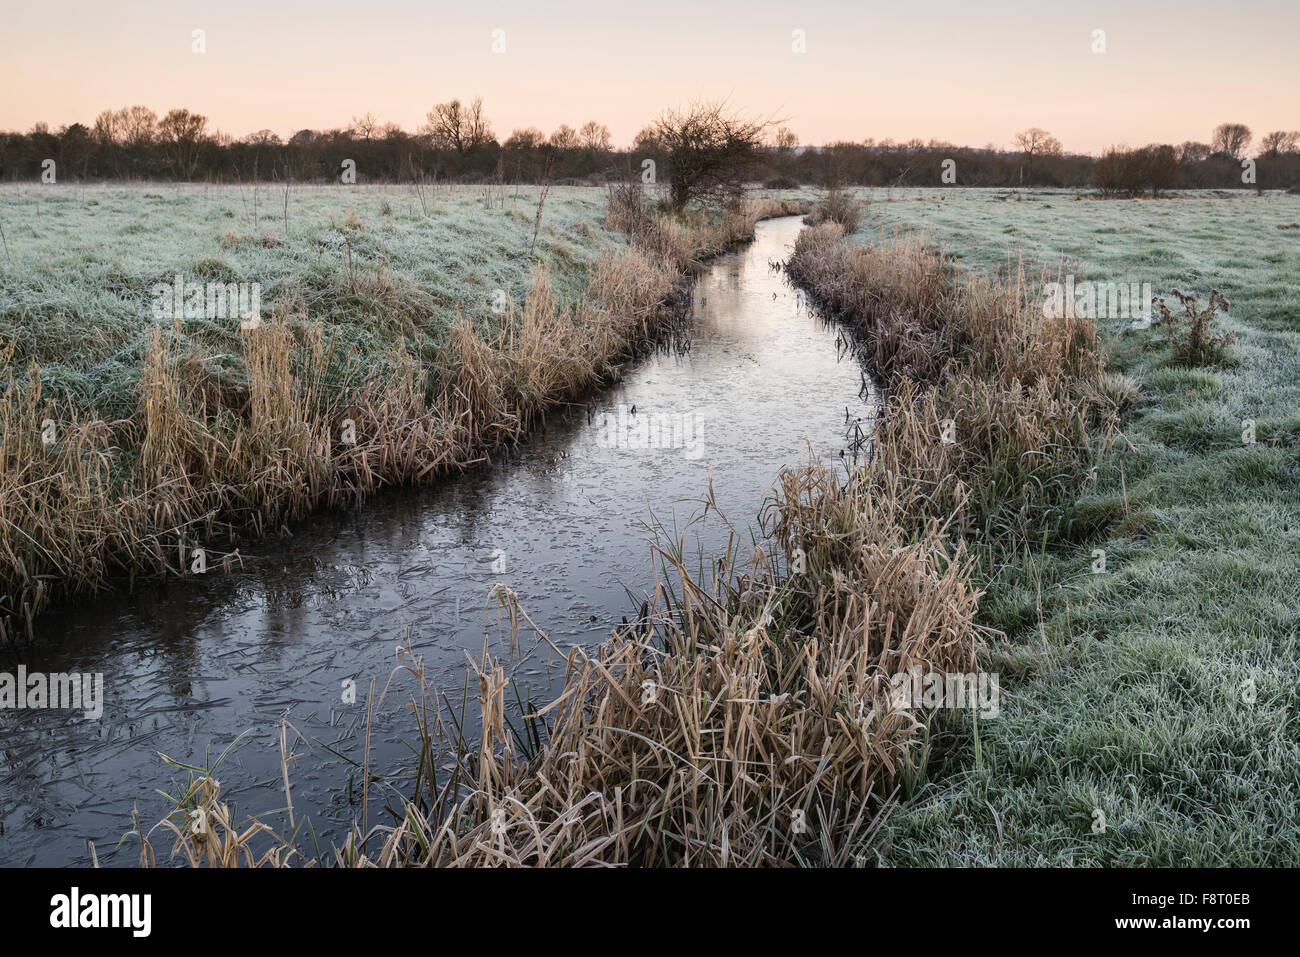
1127	690
76	290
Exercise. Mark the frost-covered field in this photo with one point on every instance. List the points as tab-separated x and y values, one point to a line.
1245	245
372	263
1150	716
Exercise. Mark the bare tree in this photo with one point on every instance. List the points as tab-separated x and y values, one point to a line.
182	133
1036	142
785	139
645	140
530	138
138	125
108	134
1192	152
1231	138
108	129
478	130
262	138
455	126
365	126
1274	143
565	138
595	136
711	150
1161	165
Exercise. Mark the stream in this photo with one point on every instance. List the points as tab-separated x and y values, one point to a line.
190	665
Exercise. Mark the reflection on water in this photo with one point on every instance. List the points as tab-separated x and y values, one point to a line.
189	666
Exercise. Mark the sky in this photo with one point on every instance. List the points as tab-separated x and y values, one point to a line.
970	73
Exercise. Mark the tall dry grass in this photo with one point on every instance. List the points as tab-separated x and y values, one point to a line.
992	408
838	207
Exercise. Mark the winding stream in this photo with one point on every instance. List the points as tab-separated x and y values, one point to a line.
188	666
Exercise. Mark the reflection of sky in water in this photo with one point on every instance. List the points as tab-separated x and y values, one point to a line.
562	521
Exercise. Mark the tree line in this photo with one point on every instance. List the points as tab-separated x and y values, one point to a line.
457	144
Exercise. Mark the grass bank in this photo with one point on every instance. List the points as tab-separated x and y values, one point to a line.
404	334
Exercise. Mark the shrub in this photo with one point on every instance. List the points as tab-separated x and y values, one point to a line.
1196	345
837	207
711	152
1133	172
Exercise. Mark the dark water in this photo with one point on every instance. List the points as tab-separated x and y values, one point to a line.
191	665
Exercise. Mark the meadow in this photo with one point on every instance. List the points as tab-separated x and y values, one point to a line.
372	264
1149	716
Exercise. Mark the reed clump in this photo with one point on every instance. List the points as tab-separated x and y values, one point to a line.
838	207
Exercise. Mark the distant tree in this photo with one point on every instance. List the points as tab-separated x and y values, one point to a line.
107	128
1037	142
455	126
565	138
75	143
365	126
785	139
262	138
1279	142
1191	152
1122	170
645	141
1113	171
181	133
712	151
108	138
530	138
1161	168
302	138
595	136
138	126
1231	139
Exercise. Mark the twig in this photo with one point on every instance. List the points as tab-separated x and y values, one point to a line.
541	201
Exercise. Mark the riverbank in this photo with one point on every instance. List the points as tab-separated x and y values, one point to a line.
400	336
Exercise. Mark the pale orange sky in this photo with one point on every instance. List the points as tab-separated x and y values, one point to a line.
970	73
